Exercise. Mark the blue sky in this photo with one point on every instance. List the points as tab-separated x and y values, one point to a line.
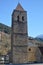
34	10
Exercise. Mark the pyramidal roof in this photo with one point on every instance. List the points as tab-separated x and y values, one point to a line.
19	7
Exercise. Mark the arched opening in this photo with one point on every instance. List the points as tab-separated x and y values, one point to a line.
22	18
18	18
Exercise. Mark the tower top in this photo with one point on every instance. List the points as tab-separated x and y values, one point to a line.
19	7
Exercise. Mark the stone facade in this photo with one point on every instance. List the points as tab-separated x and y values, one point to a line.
21	48
24	50
34	54
19	36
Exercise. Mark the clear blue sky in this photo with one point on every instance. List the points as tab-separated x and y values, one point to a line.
34	10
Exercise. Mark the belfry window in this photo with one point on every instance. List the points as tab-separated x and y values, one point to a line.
22	18
18	18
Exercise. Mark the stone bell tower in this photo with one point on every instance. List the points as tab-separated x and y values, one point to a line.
19	35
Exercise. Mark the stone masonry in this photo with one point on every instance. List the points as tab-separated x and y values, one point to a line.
19	35
24	50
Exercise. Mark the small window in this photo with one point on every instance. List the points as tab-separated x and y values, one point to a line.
17	18
22	18
29	49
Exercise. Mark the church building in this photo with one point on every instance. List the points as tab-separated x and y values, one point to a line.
15	42
23	49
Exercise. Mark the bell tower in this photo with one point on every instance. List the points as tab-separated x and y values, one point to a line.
19	35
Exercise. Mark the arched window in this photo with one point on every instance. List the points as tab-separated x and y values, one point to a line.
22	18
18	18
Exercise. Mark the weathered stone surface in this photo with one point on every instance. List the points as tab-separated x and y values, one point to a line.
20	13
34	54
19	57
20	27
19	39
23	50
20	49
